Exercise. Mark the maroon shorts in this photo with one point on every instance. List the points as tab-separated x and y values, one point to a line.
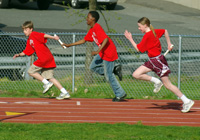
158	65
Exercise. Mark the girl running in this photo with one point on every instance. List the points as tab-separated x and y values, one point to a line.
151	44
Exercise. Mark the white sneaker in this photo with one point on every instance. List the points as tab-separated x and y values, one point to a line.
157	87
187	107
47	87
63	96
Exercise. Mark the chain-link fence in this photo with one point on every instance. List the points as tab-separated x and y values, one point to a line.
72	65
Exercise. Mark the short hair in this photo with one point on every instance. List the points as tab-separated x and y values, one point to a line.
95	15
27	24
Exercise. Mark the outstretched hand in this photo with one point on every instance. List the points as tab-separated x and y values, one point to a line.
128	35
66	45
16	55
56	37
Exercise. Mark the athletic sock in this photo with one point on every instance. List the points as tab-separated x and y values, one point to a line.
185	99
155	80
45	81
63	90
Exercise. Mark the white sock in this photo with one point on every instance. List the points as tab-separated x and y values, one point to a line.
185	99
63	90
155	80
45	81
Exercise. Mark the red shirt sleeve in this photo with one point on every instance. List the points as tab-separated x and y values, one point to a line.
29	49
159	32
88	36
39	37
142	46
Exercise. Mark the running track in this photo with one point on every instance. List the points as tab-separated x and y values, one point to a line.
76	110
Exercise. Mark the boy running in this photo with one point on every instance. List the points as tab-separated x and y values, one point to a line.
45	62
103	62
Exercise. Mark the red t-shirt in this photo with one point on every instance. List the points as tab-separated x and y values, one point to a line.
97	34
36	43
151	44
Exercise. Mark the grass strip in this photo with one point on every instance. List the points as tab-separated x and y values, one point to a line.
95	131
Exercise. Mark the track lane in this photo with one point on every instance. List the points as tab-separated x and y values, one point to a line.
76	110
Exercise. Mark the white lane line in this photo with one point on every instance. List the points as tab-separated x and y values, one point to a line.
78	103
4	102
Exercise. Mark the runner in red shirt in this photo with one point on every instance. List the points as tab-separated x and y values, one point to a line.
151	44
97	34
36	43
45	62
103	62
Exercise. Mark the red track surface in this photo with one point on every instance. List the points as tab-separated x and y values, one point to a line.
148	112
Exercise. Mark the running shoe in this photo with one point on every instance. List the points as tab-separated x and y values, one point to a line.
187	107
47	87
63	96
157	87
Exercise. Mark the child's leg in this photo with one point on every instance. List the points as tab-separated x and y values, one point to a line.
97	65
64	94
44	81
110	77
37	76
140	73
167	83
48	74
58	85
33	72
187	103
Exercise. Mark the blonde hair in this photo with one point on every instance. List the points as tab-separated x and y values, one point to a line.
145	20
27	24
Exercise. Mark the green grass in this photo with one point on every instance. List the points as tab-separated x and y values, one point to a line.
136	89
95	131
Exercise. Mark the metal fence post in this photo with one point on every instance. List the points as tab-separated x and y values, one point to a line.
28	63
179	63
73	65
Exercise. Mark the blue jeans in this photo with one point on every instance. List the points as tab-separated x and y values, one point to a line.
104	67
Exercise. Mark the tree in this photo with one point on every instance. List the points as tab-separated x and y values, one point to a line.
88	59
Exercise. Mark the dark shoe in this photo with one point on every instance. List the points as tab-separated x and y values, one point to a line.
118	99
118	71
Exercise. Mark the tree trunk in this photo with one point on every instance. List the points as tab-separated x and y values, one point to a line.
88	74
92	5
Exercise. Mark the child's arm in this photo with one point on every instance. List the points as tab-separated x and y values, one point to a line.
51	37
128	35
168	40
82	41
105	41
18	55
